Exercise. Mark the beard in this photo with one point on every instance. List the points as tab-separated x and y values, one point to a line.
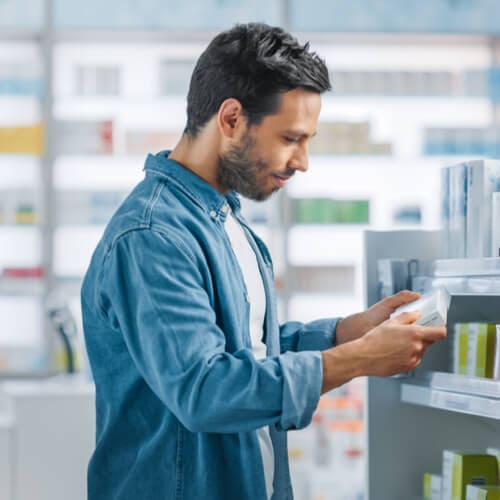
238	171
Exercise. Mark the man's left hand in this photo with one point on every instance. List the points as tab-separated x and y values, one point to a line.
355	326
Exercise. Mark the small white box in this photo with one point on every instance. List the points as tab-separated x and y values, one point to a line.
433	307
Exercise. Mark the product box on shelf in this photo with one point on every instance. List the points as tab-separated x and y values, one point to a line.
461	468
483	179
470	208
432	486
481	346
496	453
495	224
496	362
457	233
24	140
460	346
487	492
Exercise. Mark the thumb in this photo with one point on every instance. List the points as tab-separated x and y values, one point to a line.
407	318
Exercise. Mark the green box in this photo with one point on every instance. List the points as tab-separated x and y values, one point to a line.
461	469
330	211
496	453
350	211
312	211
461	348
481	349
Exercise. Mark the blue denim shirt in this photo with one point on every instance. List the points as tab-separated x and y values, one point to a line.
179	394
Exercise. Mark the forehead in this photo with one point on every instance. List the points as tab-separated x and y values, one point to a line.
299	109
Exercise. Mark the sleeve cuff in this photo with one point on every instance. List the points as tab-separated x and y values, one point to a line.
318	335
303	377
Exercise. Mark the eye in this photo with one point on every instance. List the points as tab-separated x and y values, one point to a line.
291	140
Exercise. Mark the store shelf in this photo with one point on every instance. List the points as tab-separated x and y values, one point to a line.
163	113
18	35
471	404
477	386
21	287
18	110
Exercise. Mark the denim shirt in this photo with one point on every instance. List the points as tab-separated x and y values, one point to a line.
179	394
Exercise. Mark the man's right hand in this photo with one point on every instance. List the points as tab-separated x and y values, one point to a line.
396	345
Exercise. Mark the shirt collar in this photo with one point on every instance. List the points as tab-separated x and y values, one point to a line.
202	193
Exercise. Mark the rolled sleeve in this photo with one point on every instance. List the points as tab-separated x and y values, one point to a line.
314	336
300	394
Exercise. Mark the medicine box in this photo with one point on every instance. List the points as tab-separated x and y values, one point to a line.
463	468
433	307
432	486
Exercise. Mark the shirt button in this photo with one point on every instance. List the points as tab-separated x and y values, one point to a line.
213	214
247	297
225	208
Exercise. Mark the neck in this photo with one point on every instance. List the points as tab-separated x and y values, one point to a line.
200	155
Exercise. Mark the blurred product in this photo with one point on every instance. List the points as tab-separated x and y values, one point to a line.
25	140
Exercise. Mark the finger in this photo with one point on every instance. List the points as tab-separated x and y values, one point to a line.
403	297
432	333
407	318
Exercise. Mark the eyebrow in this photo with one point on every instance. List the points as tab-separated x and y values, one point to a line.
300	133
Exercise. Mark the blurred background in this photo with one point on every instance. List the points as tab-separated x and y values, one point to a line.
87	89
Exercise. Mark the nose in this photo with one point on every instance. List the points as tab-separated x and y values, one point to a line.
300	159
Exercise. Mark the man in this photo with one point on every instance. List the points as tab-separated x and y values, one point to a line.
196	382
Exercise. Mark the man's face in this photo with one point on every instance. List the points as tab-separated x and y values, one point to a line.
268	154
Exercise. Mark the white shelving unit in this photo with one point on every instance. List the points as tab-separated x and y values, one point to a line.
411	420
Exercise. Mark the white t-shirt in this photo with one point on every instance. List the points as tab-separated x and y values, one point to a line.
256	294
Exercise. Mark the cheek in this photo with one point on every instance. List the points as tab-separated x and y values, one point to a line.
277	158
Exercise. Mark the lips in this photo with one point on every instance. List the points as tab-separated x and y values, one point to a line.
281	179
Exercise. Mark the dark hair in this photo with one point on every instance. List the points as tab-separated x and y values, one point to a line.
254	63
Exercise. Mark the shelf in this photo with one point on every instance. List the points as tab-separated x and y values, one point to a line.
329	226
10	287
165	113
464	384
424	394
18	35
19	227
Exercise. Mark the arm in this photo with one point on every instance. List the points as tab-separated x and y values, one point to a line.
392	347
323	334
154	294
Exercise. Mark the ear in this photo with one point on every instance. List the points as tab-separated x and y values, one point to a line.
230	117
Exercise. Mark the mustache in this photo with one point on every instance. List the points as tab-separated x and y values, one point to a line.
287	174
